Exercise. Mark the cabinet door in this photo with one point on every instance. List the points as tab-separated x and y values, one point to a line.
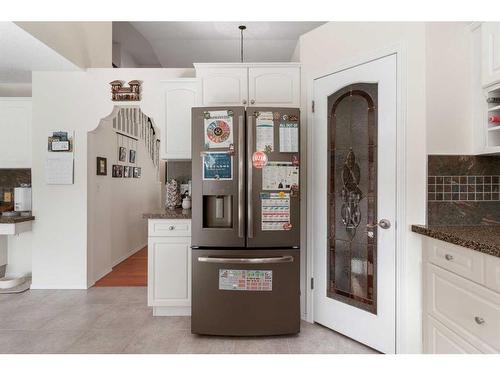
438	339
15	141
490	35
169	271
180	97
274	86
223	86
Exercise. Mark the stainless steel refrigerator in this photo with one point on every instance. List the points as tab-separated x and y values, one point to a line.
245	221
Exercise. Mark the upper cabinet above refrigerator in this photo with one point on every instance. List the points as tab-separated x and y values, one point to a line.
252	84
180	95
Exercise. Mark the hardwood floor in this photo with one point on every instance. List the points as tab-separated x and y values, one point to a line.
133	271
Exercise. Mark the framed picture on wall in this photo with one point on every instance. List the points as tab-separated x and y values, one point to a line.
102	166
117	171
131	157
126	171
122	154
137	172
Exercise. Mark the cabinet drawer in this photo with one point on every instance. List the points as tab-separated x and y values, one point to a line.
169	228
438	339
470	310
492	272
464	262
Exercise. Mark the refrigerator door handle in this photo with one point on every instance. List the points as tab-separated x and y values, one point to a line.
249	177
271	260
241	173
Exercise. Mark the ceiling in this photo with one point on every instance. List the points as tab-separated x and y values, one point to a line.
21	53
180	44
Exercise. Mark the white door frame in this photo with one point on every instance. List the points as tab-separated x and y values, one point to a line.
401	276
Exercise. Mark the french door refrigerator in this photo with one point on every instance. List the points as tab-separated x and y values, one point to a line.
245	221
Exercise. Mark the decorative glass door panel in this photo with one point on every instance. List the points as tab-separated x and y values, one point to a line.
352	196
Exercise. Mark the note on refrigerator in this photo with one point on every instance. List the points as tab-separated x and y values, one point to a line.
275	211
280	175
289	136
59	168
264	129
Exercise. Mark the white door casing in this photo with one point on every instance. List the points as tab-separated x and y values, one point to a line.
377	331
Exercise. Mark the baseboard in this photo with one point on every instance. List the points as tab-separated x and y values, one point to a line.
49	286
101	275
171	311
129	254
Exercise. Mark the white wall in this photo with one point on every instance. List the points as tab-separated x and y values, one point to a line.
86	44
334	45
449	88
116	229
75	101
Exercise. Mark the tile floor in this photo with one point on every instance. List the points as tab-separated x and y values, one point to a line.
117	320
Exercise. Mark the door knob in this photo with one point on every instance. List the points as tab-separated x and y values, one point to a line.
383	223
244	101
252	101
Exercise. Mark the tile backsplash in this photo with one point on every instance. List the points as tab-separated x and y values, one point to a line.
463	190
180	170
9	179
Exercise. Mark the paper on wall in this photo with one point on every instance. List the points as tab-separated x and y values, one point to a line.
289	136
59	168
275	211
218	129
265	132
280	175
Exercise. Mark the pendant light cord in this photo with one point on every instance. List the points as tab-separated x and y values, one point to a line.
242	28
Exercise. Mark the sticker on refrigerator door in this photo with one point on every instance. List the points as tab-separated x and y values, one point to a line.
264	132
280	175
289	136
259	159
249	280
218	129
275	211
217	166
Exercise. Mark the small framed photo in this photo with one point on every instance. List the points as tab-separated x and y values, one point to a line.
102	166
122	154
137	172
131	157
117	170
126	171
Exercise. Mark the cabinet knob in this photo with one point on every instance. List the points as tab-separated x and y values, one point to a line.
171	227
244	101
448	257
252	101
479	320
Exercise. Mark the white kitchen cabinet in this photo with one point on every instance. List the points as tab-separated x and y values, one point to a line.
490	52
274	86
169	267
250	84
461	300
180	96
223	85
15	126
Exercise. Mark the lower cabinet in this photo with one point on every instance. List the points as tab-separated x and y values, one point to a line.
461	305
169	270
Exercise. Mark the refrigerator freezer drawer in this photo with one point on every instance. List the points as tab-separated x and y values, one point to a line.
245	292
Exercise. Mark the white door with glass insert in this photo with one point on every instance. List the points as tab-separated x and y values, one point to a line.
354	202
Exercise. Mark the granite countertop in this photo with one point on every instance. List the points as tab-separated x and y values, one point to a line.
178	213
483	238
15	219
